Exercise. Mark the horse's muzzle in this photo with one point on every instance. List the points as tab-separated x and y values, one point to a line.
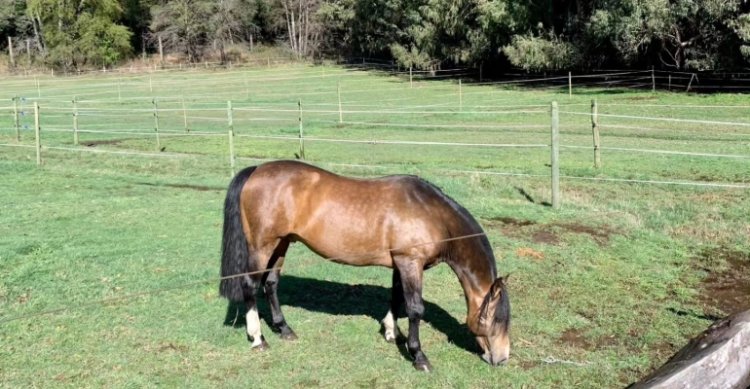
494	361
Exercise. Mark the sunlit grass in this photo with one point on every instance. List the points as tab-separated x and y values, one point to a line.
597	282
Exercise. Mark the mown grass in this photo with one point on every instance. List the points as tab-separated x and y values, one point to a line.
608	281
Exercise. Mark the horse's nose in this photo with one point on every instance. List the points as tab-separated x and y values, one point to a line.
494	360
499	361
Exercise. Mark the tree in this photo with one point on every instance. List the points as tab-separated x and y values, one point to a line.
231	23
190	27
82	32
16	24
302	25
183	26
534	53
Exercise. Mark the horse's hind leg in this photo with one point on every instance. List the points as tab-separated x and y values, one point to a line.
390	329
270	285
252	319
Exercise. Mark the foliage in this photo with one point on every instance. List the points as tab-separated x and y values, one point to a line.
427	34
540	53
80	33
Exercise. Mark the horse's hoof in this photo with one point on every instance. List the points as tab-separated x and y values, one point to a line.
289	335
390	337
263	346
423	366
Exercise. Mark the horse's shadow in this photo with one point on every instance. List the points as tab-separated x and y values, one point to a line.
342	299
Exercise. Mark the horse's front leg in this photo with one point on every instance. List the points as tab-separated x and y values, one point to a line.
411	281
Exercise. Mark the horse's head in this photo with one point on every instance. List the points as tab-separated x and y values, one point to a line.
492	329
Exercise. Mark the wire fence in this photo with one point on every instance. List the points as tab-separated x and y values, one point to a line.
103	114
402	120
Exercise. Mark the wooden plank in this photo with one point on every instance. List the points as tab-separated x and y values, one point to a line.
717	358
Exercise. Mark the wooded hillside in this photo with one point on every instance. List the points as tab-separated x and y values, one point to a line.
536	36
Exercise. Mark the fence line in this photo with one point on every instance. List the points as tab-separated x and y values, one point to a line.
485	172
696	121
133	153
396	142
557	78
687	106
735	185
697	154
663	129
231	81
161	132
396	112
449	126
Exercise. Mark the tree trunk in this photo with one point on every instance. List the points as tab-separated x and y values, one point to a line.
717	358
10	52
36	23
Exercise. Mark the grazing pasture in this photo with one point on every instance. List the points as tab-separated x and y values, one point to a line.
109	251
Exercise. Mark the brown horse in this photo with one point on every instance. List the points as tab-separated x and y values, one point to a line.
400	222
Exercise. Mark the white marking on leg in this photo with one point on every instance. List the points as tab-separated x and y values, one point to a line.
389	323
253	326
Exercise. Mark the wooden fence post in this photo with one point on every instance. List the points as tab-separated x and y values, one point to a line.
230	119
37	134
76	139
38	88
161	52
669	86
692	76
156	124
184	115
595	130
570	84
555	156
150	84
16	121
338	92
411	80
301	134
10	52
653	80
460	96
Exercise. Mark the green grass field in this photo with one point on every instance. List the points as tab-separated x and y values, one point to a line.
109	252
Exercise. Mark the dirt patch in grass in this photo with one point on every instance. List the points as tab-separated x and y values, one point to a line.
93	143
545	237
574	337
548	233
727	285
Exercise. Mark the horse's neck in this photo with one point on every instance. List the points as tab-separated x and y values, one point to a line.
476	272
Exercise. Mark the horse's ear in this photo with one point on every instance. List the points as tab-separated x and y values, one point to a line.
497	288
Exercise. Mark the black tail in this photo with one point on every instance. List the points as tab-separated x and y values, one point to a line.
235	257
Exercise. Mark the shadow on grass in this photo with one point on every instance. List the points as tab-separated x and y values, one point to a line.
351	300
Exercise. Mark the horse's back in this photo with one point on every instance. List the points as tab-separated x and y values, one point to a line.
355	221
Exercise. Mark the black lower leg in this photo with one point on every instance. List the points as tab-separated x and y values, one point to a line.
397	295
279	323
413	344
415	311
